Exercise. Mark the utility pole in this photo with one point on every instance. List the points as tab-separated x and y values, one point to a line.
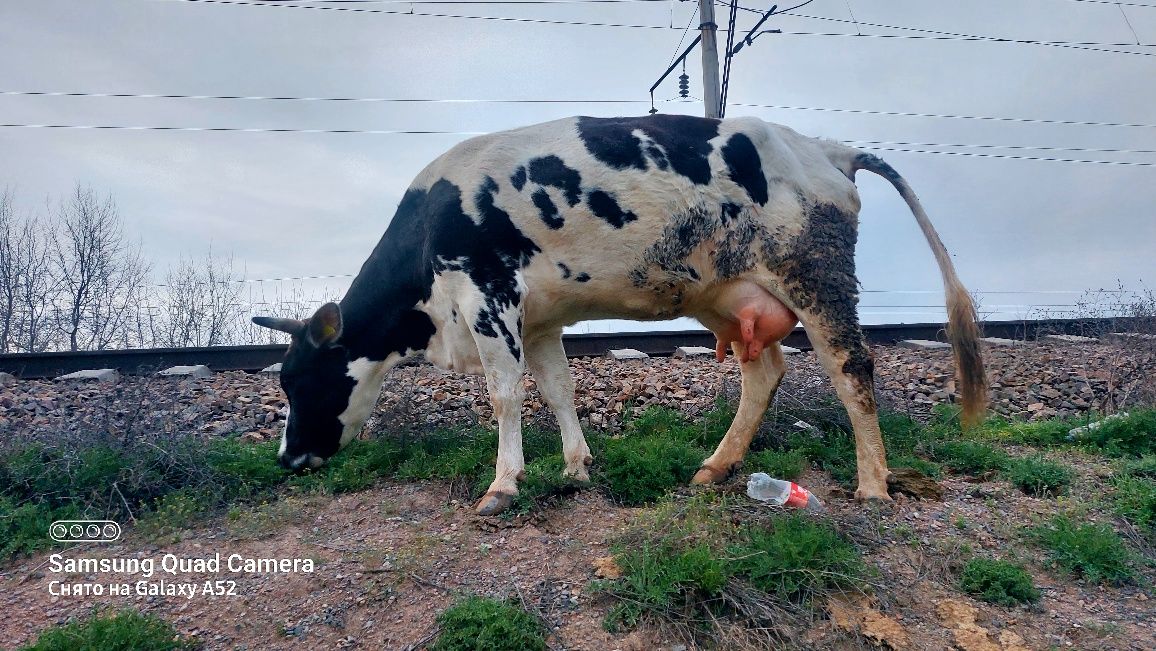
711	94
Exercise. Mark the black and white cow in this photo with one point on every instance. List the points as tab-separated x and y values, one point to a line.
746	226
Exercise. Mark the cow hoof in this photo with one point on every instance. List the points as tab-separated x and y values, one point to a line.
578	475
493	503
707	475
873	497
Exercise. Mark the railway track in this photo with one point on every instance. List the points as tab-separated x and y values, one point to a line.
254	358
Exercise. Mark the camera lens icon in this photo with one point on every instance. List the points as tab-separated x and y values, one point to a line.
75	531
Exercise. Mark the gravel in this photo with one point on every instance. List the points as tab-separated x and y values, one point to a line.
1034	381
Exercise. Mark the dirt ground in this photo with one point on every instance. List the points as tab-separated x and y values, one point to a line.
388	560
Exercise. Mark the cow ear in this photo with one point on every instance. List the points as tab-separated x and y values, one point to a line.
289	326
325	325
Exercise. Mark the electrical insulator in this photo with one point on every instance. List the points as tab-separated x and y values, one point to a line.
683	85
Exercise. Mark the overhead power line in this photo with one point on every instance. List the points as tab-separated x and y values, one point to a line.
934	35
948	116
989	39
397	12
972	154
401	100
1020	147
1113	2
244	129
419	100
960	34
474	133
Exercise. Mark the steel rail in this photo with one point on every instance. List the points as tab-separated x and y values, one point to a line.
656	344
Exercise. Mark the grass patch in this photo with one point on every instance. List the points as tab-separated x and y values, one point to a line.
970	457
998	582
1132	435
482	624
1090	550
127	630
702	559
1134	499
637	470
787	465
1037	476
929	468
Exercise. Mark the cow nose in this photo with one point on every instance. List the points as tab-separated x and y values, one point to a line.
292	463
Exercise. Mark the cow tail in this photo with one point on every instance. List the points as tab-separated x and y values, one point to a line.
963	328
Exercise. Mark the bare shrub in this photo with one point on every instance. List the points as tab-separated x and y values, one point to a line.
201	303
28	285
101	275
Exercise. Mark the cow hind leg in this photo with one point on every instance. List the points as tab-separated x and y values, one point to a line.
761	376
547	360
847	360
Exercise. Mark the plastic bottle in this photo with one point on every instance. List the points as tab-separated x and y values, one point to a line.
765	488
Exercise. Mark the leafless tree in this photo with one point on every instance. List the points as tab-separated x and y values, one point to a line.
7	270
101	275
201	303
28	286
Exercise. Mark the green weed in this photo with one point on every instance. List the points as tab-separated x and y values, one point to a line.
998	582
1134	499
970	457
127	630
1037	476
782	465
638	469
482	624
1090	550
693	561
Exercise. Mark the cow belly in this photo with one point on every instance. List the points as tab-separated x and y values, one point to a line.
742	311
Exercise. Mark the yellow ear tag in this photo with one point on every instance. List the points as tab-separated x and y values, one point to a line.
329	331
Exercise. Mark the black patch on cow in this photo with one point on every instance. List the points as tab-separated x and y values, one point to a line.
684	138
546	208
668	254
582	277
518	179
730	211
818	272
745	167
604	205
657	156
551	171
565	270
431	233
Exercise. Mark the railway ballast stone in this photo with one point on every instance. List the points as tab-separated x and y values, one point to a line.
624	354
108	375
923	344
1070	339
7	379
1000	341
198	371
1130	338
692	351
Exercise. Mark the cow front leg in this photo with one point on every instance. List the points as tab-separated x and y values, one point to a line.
760	378
547	360
504	363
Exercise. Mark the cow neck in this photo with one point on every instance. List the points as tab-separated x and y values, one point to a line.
378	312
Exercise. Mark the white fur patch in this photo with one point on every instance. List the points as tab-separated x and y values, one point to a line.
368	376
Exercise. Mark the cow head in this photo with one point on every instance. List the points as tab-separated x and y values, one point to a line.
315	378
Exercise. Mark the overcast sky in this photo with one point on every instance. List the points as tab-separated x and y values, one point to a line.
303	204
